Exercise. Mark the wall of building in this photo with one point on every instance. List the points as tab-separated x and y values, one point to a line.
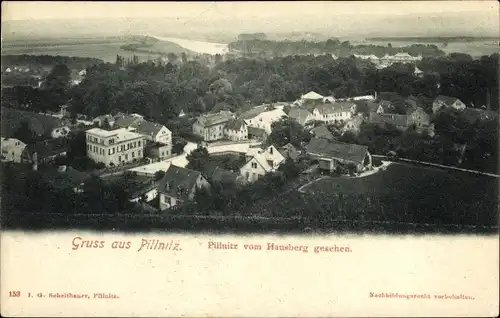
115	153
252	170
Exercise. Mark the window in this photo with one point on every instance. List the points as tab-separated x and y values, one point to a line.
254	165
126	156
135	144
109	151
139	153
111	141
139	143
271	150
133	154
119	158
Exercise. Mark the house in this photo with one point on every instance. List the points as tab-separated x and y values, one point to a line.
236	130
385	106
12	149
100	121
157	151
302	116
330	155
82	73
211	126
152	132
179	185
263	117
353	125
41	125
329	99
289	151
322	132
223	178
260	162
445	102
401	122
66	178
114	147
420	118
44	151
311	96
334	113
418	72
182	114
257	133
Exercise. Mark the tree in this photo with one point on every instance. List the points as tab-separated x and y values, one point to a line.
289	169
24	133
285	131
57	85
198	158
178	145
159	175
276	88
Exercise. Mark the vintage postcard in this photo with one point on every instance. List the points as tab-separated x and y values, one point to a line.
250	159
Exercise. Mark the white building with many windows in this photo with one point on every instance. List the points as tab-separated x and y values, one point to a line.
114	147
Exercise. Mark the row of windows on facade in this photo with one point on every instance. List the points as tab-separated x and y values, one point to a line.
100	140
114	150
335	115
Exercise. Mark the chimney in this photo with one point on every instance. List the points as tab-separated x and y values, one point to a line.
375	95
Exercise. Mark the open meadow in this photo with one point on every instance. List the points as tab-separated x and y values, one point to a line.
104	48
401	195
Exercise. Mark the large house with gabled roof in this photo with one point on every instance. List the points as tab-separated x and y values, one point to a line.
179	185
260	162
334	113
236	130
331	154
211	126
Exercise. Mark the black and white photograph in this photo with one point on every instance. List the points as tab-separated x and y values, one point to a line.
317	117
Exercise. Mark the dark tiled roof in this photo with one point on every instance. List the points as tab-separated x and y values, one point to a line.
256	131
47	148
235	124
393	119
69	177
326	108
178	182
254	112
322	132
214	119
326	148
40	124
147	127
125	122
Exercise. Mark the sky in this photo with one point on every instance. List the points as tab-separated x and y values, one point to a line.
38	10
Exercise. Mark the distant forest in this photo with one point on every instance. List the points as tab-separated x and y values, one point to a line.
436	39
49	60
331	46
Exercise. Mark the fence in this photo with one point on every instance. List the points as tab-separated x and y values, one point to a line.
430	164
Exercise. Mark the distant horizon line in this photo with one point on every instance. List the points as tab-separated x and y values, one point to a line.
402	14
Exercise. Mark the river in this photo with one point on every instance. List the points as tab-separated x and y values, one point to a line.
196	46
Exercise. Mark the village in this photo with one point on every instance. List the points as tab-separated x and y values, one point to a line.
159	179
341	137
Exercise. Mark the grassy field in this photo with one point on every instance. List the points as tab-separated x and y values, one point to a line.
105	48
403	193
